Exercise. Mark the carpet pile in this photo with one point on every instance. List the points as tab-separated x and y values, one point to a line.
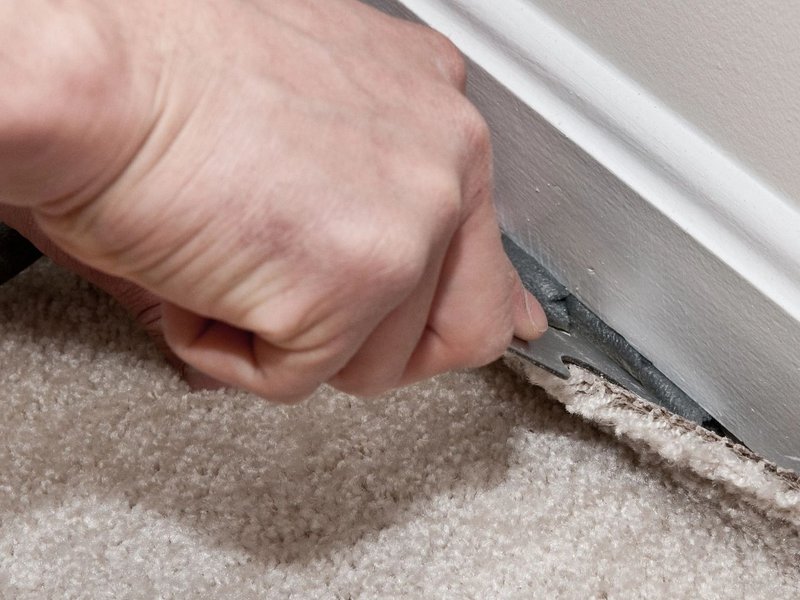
117	481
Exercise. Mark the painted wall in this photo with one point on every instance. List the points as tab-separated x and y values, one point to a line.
663	232
731	67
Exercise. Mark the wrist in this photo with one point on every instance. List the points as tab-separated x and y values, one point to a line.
70	111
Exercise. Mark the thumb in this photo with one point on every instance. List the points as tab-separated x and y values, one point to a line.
530	320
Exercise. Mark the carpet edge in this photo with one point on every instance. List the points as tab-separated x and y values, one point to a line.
676	442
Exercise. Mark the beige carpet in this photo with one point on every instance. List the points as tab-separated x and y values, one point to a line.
116	482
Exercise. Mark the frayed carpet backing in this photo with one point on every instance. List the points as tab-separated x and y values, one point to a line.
116	481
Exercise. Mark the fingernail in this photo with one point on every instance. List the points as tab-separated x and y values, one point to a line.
198	381
535	313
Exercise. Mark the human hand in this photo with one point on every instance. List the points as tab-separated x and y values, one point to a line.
303	184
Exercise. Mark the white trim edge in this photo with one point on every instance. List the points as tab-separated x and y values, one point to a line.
663	158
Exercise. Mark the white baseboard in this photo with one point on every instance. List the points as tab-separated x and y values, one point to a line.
672	242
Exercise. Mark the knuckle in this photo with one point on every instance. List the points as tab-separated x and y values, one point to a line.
394	259
289	317
280	325
440	193
448	59
289	377
477	148
398	267
389	264
475	130
444	193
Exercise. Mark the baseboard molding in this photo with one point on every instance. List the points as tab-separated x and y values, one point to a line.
672	242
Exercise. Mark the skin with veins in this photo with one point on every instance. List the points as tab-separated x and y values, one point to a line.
350	238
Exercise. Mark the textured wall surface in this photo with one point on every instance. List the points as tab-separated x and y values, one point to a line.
728	66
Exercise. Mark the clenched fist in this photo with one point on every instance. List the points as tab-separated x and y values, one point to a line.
299	189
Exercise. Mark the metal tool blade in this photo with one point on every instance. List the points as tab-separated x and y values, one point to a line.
556	348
